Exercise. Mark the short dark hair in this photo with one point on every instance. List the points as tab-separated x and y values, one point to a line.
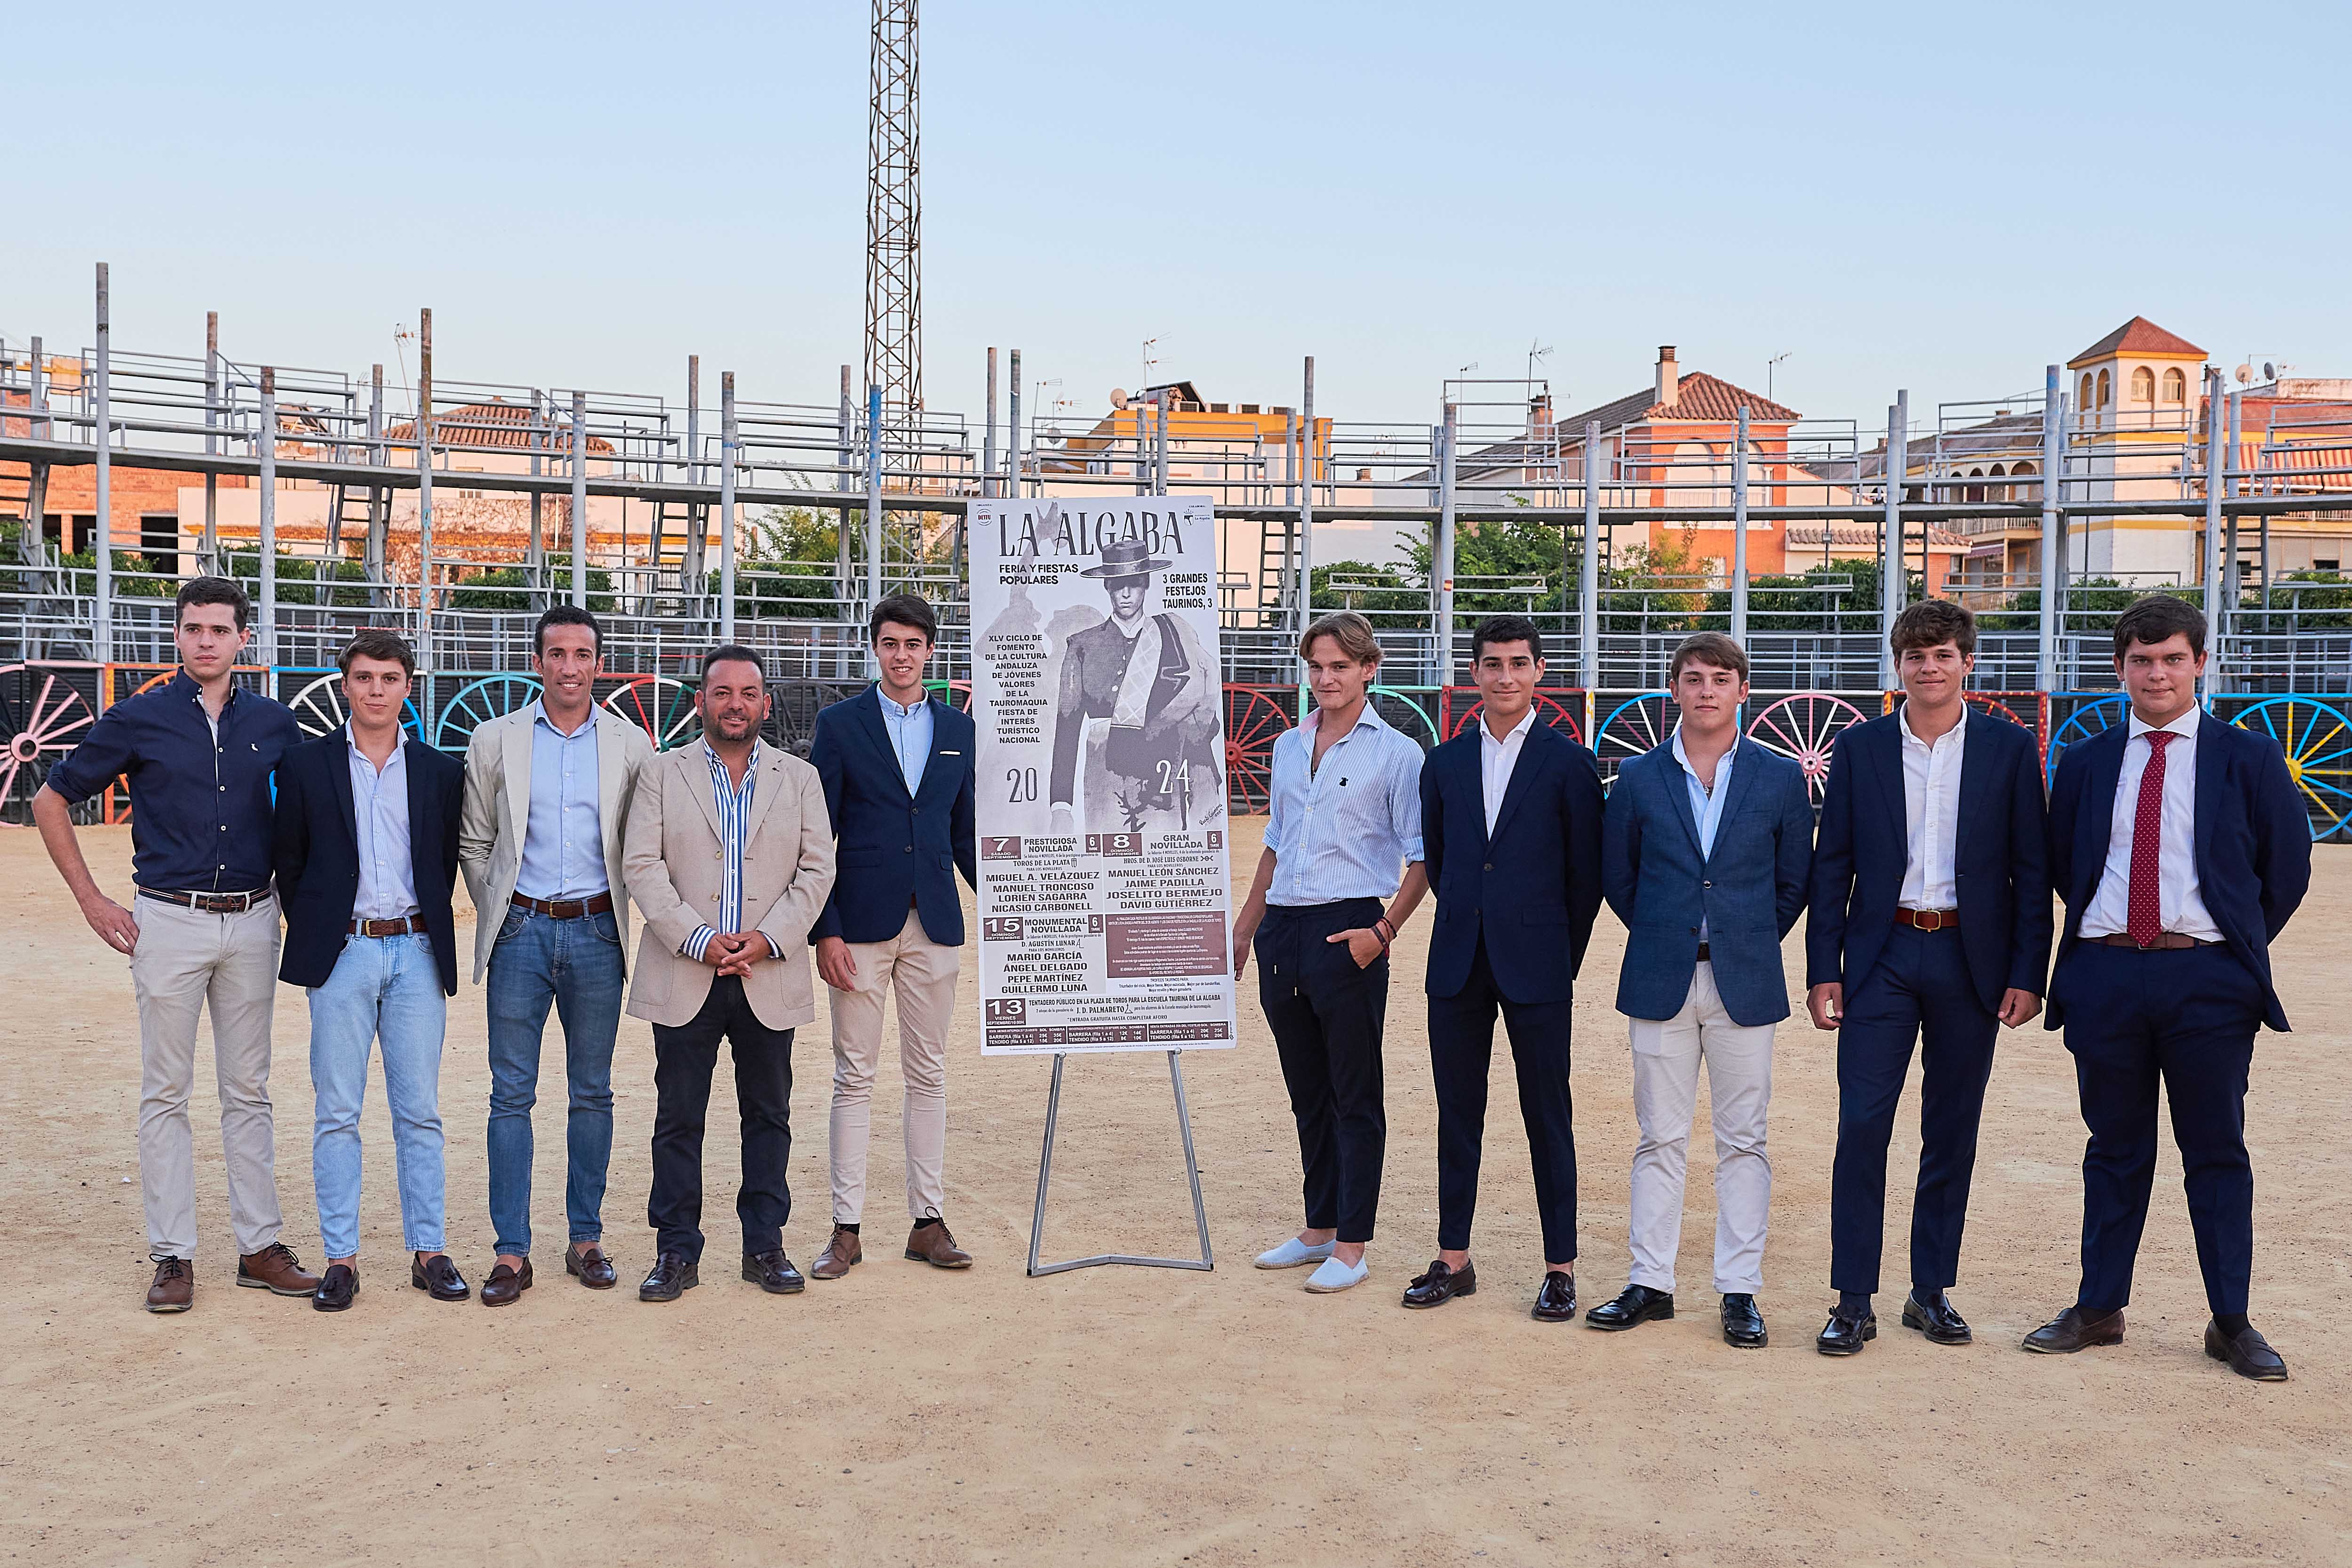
726	650
565	615
903	610
1931	624
375	643
1708	648
1506	629
214	590
2159	618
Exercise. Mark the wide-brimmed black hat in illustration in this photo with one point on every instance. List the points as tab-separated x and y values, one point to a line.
1125	558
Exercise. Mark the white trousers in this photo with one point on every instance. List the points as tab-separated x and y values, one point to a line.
1666	1055
922	974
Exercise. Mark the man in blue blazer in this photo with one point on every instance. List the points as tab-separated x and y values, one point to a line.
365	851
896	766
1708	842
1510	823
1930	922
2181	847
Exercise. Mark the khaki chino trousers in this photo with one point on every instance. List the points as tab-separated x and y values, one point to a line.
922	974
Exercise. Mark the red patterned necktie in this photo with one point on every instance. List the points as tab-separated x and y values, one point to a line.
2145	917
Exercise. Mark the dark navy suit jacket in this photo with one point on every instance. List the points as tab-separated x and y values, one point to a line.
896	849
1748	891
2253	838
316	852
2001	858
1534	888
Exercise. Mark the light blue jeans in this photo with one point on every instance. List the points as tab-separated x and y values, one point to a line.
575	966
386	989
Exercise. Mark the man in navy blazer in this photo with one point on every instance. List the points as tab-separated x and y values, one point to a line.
1510	824
896	765
1930	922
1707	845
2181	847
365	852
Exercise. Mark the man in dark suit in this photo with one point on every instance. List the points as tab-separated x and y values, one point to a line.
1930	922
896	765
1708	841
366	852
1510	823
2181	847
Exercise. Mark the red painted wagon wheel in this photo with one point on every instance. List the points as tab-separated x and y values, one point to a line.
1254	720
1552	709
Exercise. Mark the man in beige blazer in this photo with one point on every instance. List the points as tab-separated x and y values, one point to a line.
546	794
728	853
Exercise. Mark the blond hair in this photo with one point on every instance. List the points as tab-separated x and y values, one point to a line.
1349	630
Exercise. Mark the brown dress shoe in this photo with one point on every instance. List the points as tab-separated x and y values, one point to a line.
175	1290
840	1254
931	1244
2247	1352
505	1284
585	1261
2075	1330
276	1270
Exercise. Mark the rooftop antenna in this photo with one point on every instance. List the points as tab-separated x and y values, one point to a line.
1769	366
1536	351
1149	362
894	214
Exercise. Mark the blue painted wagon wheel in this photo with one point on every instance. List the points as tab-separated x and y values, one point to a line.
1404	712
1635	726
661	705
2084	723
2318	740
1801	729
319	710
478	702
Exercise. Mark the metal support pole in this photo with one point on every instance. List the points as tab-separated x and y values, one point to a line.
2215	463
1012	424
267	560
1890	566
872	495
1299	607
988	442
1442	553
425	489
208	546
1045	1169
379	498
727	460
1588	585
32	544
2234	458
848	455
1740	534
1160	443
102	539
2053	458
580	499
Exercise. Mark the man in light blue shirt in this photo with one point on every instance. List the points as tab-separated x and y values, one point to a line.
1344	836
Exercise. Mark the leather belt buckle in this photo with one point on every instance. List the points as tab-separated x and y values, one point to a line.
407	925
564	908
1928	919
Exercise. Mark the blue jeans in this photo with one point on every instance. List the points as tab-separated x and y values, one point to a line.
575	965
384	989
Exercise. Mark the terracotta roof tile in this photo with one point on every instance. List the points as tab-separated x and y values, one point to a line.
1698	397
498	425
2138	336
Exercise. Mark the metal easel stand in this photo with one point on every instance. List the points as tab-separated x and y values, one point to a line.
1192	1170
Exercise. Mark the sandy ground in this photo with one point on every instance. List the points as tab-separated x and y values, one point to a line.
911	1416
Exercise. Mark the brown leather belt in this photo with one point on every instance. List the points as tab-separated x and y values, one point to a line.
1927	919
403	927
2167	940
209	903
565	908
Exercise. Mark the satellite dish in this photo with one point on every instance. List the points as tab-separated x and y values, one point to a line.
1119	397
2270	371
2244	374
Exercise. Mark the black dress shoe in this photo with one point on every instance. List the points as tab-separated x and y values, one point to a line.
1441	1285
773	1272
505	1284
1846	1333
1743	1326
1634	1305
1936	1320
585	1261
336	1288
2248	1353
1556	1301
2075	1330
674	1274
439	1278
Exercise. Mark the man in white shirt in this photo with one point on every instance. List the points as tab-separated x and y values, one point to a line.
2181	847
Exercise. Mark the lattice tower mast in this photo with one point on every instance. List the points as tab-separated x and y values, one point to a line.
894	248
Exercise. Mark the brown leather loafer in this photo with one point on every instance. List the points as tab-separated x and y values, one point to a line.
2075	1330
840	1254
276	1270
585	1261
337	1288
505	1284
672	1274
1441	1285
773	1272
2247	1352
175	1290
932	1244
439	1278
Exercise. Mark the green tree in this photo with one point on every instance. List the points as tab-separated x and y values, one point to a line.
509	586
1390	603
298	579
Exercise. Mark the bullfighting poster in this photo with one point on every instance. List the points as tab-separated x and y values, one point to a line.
1105	897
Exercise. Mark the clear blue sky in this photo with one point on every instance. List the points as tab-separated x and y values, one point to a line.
1943	198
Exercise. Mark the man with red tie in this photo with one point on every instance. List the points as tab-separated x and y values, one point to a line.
2181	847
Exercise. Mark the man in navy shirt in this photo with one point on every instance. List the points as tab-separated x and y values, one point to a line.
198	754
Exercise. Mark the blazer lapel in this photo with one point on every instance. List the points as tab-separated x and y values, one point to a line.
695	763
763	795
869	712
339	775
1893	791
938	730
1743	777
515	764
1975	775
1677	789
1531	761
424	827
2211	760
2099	819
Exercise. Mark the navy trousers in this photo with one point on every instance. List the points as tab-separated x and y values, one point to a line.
1326	1014
1917	990
2187	1016
1461	1052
